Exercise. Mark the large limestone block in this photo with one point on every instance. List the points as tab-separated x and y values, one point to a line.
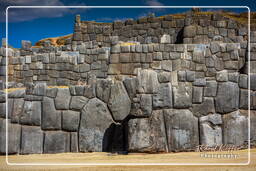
70	120
147	134
78	102
210	130
235	128
56	142
95	121
17	110
205	108
13	137
31	140
227	99
51	118
62	99
31	114
103	88
147	81
182	96
182	129
119	101
163	98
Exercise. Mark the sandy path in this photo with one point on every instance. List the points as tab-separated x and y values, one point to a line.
188	157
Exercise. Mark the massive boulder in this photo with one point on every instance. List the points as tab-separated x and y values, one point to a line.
182	96
95	121
62	99
119	101
147	134
181	129
210	130
235	128
227	99
147	81
31	114
56	142
163	98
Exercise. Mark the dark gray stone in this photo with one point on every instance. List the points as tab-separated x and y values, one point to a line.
190	76
95	120
146	104
119	101
147	80
56	142
78	102
31	114
233	77
62	99
164	77
147	134
227	99
244	99
205	108
70	120
222	76
163	97
51	92
51	118
32	140
131	86
199	82
253	81
182	129
17	110
2	110
73	142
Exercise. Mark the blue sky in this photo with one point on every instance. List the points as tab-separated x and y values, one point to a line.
35	24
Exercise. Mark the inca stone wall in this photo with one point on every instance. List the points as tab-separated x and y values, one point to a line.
151	85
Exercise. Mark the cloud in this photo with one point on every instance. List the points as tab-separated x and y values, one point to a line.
27	14
154	3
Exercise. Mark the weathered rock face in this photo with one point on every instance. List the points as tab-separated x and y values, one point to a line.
182	129
148	82
31	114
119	101
182	96
147	134
210	130
56	142
163	97
95	120
238	134
227	99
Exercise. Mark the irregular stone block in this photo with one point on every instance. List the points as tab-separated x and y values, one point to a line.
199	82
189	31
163	97
210	130
73	142
205	108
119	101
182	129
32	140
70	120
197	94
146	104
182	96
244	99
235	128
227	99
210	89
78	102
147	134
56	142
131	85
51	118
164	77
31	114
253	81
147	81
243	81
51	92
13	137
222	76
103	88
17	110
95	121
62	99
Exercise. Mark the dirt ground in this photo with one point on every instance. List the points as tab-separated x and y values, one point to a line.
184	157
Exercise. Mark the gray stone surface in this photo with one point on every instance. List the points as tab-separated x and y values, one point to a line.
238	134
95	120
197	95
205	108
163	97
147	134
31	114
182	129
17	110
32	140
62	99
210	130
147	80
182	96
51	118
146	104
210	89
119	101
227	99
14	132
131	85
78	102
103	88
70	120
56	142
